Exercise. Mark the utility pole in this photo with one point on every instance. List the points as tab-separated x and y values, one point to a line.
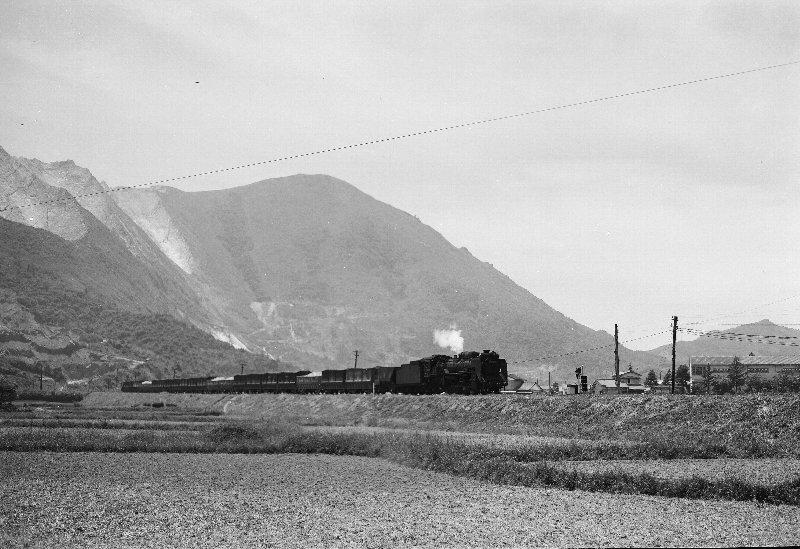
674	336
616	355
355	364
41	377
549	384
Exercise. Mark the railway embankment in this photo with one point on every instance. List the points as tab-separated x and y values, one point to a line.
743	425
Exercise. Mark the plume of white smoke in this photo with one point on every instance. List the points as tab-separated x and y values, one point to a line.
449	339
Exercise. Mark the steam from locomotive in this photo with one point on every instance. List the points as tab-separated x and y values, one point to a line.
449	339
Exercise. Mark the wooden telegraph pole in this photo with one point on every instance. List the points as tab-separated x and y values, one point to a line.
674	336
616	355
355	364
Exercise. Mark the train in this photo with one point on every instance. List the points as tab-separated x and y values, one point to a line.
469	372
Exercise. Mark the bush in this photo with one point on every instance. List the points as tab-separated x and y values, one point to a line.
50	397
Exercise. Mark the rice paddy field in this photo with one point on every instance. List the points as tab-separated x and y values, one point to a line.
220	471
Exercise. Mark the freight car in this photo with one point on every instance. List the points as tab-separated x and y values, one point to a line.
465	373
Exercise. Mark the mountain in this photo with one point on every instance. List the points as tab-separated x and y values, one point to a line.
309	269
79	311
305	269
735	342
80	286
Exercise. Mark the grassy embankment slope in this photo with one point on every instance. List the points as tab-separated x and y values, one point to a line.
731	425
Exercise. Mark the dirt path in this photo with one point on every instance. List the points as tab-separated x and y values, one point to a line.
185	500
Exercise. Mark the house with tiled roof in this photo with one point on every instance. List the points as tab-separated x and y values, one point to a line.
629	382
532	387
608	386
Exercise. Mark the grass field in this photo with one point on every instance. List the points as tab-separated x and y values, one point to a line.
623	466
385	472
103	500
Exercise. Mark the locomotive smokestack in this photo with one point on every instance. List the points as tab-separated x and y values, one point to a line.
449	339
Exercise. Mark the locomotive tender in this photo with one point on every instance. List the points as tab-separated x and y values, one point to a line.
469	372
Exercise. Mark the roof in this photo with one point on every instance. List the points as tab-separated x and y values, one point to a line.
746	360
609	383
530	386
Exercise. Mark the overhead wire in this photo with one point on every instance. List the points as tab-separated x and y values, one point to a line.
724	337
737	334
418	133
751	309
569	353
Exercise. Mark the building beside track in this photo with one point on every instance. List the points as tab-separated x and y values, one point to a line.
765	367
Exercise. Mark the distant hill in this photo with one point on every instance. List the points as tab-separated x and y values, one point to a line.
712	345
305	269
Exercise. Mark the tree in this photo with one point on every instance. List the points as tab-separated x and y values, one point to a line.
787	382
682	378
736	374
756	384
707	383
667	378
651	379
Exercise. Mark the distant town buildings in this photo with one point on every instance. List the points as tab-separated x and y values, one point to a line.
765	367
608	386
629	382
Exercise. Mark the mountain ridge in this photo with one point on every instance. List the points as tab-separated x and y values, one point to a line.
713	345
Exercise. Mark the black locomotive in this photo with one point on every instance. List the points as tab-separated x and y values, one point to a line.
469	372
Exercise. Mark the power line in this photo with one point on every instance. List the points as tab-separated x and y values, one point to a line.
736	334
585	350
423	132
751	309
721	336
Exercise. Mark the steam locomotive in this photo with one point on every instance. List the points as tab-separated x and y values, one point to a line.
469	372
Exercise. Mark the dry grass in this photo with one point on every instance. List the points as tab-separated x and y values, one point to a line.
756	471
68	423
523	465
737	426
189	500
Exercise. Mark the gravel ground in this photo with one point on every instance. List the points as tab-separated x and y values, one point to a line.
764	471
186	500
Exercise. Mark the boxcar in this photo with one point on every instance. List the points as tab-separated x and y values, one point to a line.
333	381
309	383
359	380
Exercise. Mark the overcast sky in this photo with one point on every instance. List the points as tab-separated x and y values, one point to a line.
683	201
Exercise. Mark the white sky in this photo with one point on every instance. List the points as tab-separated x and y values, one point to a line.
678	202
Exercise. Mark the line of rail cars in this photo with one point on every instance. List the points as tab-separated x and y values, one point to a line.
469	372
